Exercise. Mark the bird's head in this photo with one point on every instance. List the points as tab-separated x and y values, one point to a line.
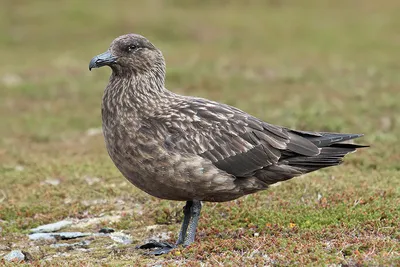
131	54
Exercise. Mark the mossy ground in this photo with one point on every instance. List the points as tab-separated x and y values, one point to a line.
313	65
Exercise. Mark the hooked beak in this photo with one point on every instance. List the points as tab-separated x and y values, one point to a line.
102	60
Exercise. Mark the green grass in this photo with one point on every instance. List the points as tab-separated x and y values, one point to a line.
313	65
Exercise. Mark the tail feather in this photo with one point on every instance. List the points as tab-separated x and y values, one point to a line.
293	163
322	139
329	156
332	150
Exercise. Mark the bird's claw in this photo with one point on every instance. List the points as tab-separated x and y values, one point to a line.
159	248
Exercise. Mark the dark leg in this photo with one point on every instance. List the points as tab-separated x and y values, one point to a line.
186	219
195	215
190	208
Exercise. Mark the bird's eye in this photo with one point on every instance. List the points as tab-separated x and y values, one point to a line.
131	48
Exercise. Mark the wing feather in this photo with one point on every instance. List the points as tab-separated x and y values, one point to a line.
233	140
245	146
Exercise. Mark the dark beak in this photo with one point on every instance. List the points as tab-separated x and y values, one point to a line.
102	60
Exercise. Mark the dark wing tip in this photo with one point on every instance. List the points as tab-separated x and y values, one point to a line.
302	145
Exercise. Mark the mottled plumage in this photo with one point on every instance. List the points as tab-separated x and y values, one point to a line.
192	149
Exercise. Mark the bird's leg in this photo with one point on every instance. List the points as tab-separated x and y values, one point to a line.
165	247
195	215
185	223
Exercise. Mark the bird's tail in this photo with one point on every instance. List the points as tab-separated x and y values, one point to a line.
331	154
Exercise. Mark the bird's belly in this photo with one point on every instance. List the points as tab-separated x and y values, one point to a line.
172	176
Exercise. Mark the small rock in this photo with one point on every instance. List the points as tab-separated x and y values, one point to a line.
93	131
54	182
52	227
11	79
55	236
68	200
41	236
121	238
106	230
15	255
92	180
19	168
93	202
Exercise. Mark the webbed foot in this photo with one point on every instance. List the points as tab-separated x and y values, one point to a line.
186	234
158	248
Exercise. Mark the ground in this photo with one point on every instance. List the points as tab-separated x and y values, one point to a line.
311	65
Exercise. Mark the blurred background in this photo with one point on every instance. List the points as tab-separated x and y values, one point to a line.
313	65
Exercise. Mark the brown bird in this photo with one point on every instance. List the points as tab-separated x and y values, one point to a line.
192	149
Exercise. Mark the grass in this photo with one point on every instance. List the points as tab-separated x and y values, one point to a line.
313	65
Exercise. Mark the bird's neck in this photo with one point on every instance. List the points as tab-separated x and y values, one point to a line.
138	95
